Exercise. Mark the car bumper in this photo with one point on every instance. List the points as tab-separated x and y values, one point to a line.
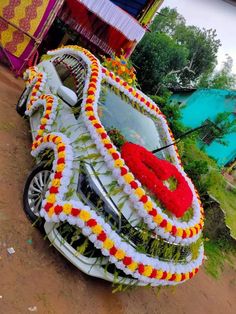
89	266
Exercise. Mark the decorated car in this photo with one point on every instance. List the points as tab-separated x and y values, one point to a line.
108	197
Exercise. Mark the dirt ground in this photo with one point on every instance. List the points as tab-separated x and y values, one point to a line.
39	278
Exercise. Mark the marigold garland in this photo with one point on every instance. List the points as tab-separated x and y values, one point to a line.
178	232
54	208
122	67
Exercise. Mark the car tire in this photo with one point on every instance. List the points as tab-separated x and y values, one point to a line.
34	192
22	102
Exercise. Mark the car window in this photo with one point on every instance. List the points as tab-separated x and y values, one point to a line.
116	112
66	76
72	72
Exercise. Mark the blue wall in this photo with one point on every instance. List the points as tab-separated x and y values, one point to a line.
206	104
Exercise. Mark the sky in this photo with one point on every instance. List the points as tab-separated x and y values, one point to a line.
215	14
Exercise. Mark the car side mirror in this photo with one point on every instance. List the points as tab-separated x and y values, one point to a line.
68	95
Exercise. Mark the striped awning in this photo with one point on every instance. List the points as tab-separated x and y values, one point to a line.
114	16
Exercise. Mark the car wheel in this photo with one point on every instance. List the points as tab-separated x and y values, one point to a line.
21	104
34	192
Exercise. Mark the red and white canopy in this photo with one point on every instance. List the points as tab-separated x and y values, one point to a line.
116	17
103	24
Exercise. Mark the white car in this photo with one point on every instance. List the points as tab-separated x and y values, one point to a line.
104	219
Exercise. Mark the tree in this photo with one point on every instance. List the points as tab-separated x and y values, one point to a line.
222	79
173	113
157	58
202	46
167	21
174	54
222	125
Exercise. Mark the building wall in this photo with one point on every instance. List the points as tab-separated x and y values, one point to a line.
206	104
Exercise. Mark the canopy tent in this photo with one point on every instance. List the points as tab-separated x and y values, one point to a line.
142	10
23	25
104	24
133	7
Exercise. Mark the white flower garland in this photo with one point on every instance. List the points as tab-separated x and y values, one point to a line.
140	258
55	208
110	162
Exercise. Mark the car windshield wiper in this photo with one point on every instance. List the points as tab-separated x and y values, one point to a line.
180	138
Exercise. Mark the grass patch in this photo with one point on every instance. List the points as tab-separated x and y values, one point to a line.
215	259
217	256
227	200
207	176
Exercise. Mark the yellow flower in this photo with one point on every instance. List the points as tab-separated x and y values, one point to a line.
179	232
168	227
130	81
118	163
91	97
51	211
56	183
97	229
60	167
158	219
194	231
139	192
84	215
100	130
133	266
112	150
187	232
120	254
44	121
58	140
51	138
128	177
169	275
60	145
106	141
51	198
94	121
40	132
93	89
186	276
159	274
61	155
147	270
148	206
108	244
67	208
178	277
89	113
45	139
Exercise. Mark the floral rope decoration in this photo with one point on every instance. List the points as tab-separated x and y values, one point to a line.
121	67
172	230
36	78
56	208
49	103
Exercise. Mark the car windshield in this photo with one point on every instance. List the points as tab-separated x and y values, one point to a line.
117	113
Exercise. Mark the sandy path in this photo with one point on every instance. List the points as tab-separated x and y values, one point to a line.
36	275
